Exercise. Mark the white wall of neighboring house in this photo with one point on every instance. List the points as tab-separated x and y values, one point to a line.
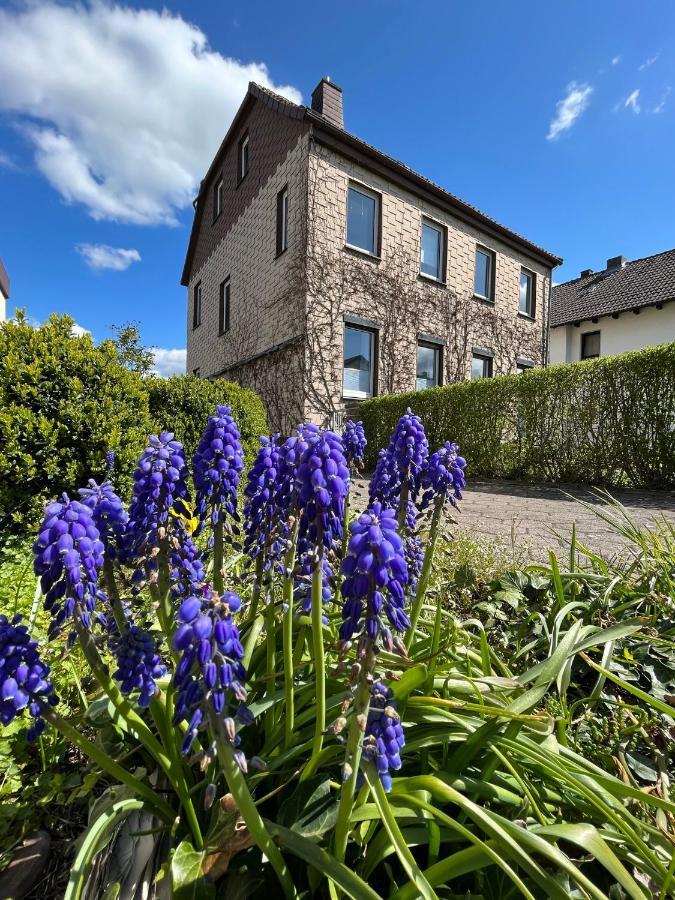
3	307
629	332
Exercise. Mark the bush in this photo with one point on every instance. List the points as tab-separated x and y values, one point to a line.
63	404
605	421
182	404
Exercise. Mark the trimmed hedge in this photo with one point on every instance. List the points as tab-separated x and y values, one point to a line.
64	402
606	421
182	404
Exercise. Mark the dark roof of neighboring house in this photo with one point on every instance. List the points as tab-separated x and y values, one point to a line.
640	283
369	156
4	281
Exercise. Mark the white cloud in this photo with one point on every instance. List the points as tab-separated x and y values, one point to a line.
124	107
662	102
169	362
632	101
649	62
101	256
568	110
616	60
6	162
79	331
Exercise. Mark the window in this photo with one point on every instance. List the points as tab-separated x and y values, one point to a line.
362	219
358	378
428	366
481	366
282	220
197	305
432	251
527	293
196	372
218	199
243	158
523	366
483	282
590	345
224	307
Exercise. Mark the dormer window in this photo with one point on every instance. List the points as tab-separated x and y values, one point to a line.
243	157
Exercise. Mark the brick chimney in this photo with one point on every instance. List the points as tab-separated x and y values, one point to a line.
616	263
327	101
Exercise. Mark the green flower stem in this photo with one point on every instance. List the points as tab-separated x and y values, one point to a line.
353	759
257	587
271	657
425	576
218	555
287	636
403	507
319	663
252	636
108	765
248	810
113	595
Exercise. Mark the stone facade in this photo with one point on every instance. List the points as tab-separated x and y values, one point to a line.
288	311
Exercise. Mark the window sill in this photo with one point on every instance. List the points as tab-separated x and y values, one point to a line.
241	180
359	251
281	253
195	327
223	332
481	299
528	318
429	279
215	218
356	397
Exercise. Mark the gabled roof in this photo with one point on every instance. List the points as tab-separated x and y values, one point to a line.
343	141
643	282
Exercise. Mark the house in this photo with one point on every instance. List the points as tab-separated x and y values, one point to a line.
321	271
626	306
4	292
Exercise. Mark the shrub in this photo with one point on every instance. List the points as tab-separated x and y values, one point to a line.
63	404
183	403
605	421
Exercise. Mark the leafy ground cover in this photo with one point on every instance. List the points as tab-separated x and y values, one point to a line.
536	701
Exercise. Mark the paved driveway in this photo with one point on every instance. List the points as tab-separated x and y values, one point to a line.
539	517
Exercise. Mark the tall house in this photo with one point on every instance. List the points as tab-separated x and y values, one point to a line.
321	271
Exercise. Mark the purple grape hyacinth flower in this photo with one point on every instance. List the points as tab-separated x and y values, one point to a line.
24	677
109	514
354	443
217	465
261	510
384	738
139	665
401	465
322	481
186	566
68	556
443	478
160	480
375	576
210	671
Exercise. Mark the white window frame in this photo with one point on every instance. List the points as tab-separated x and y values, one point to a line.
362	189
360	395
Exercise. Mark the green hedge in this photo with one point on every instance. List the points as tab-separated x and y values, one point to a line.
64	402
182	404
607	421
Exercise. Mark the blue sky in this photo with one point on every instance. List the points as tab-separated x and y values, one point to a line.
556	119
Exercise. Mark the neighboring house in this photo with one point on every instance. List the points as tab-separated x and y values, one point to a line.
627	306
321	271
4	292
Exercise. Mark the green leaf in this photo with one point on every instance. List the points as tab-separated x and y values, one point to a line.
187	874
318	814
411	680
